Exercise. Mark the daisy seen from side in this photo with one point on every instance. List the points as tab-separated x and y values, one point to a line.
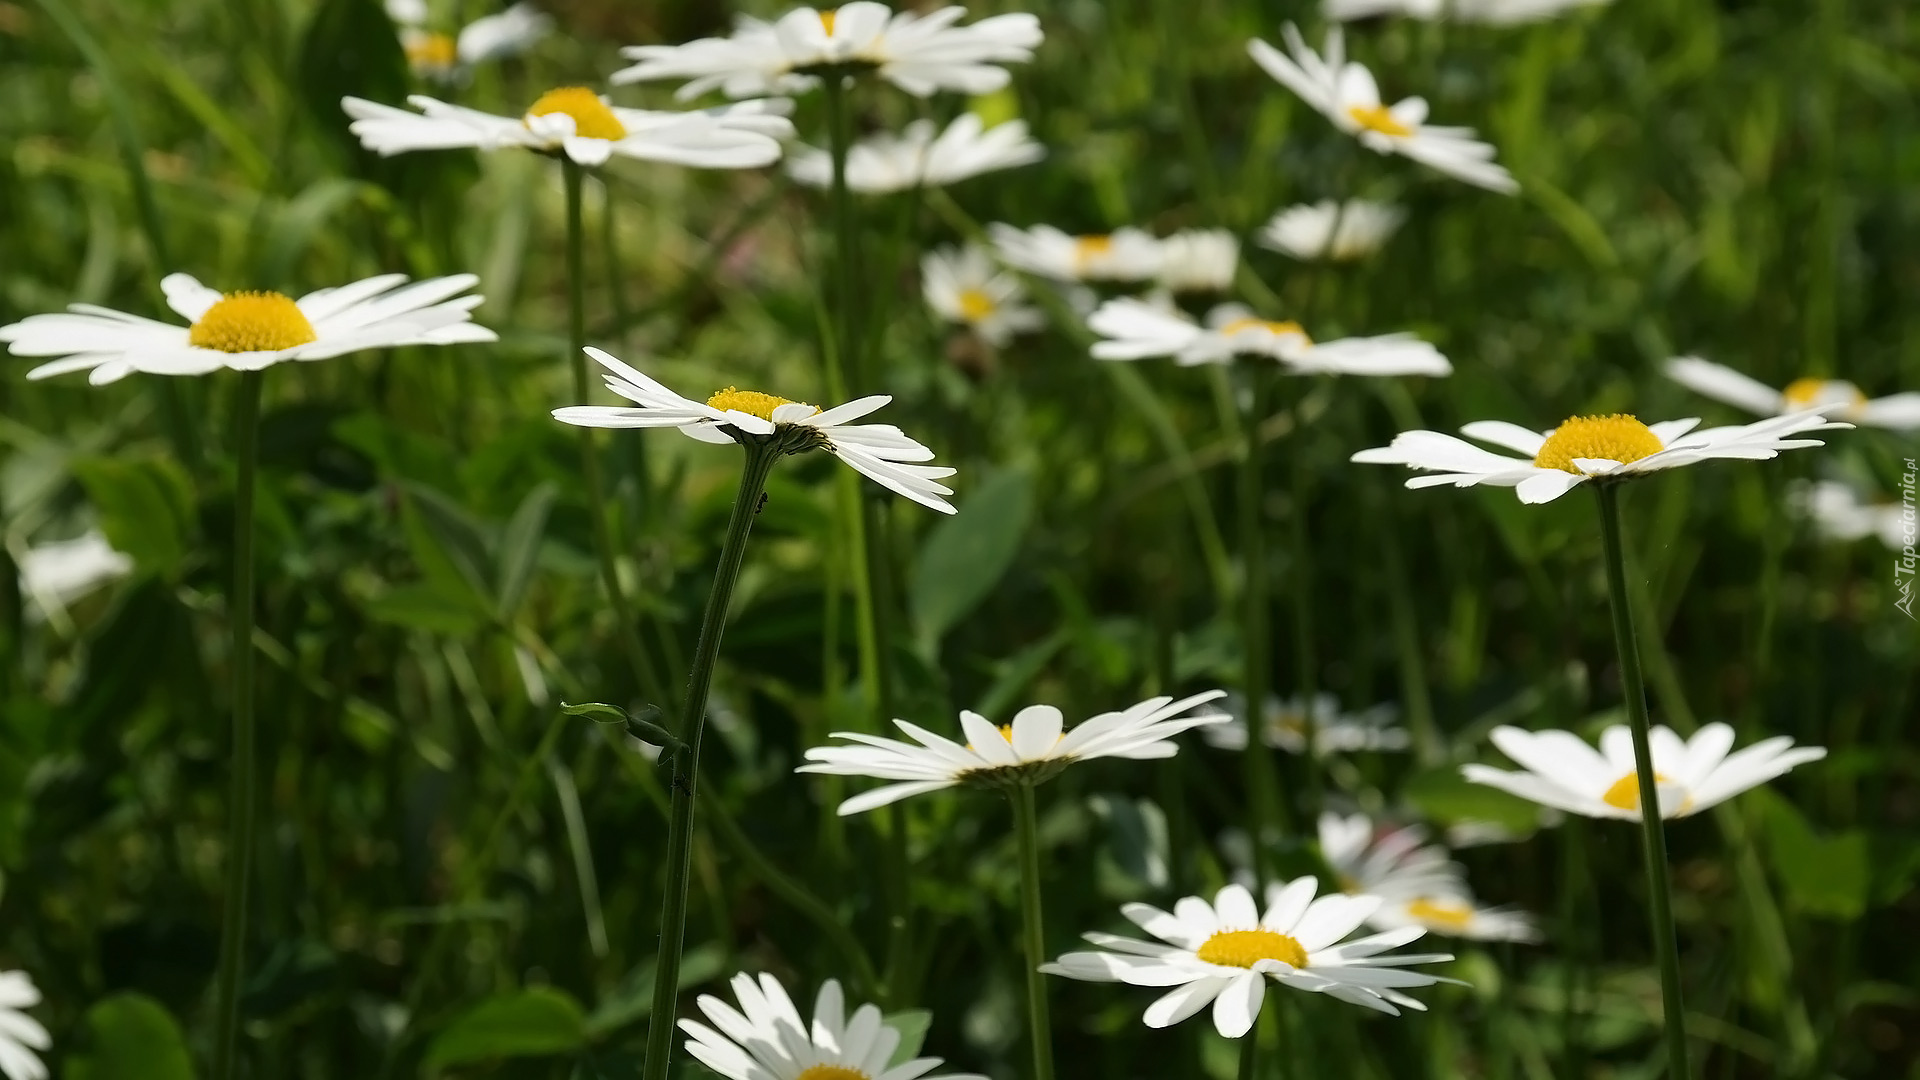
964	286
1335	730
765	1037
1341	232
921	156
1198	260
1491	12
1837	397
1418	883
1133	329
444	57
1124	255
1838	511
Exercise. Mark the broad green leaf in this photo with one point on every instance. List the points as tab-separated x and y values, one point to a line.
912	1025
130	1037
520	547
1826	875
145	507
633	999
965	555
535	1022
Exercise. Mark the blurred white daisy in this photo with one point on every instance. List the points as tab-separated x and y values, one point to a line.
1494	12
1331	230
248	331
1563	772
447	57
1222	954
1126	254
1134	330
1418	883
1199	260
1899	412
1839	512
1585	448
581	123
54	575
766	1038
20	1034
1346	94
1031	750
917	53
964	286
1283	726
884	163
880	452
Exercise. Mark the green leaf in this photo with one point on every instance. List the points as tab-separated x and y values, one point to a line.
130	1037
1825	875
912	1025
1444	795
448	542
633	999
600	712
520	547
535	1022
965	555
429	606
145	507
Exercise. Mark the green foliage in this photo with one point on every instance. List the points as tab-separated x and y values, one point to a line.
535	1022
965	555
130	1037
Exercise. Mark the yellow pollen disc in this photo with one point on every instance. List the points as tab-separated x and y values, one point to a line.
1086	248
826	23
251	322
431	52
1625	792
831	1072
751	402
591	117
1449	913
1618	438
1278	329
1378	118
1245	948
976	305
1801	393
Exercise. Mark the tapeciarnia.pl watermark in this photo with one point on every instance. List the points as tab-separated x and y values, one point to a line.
1904	564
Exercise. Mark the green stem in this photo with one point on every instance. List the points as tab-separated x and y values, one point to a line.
843	368
1250	1054
1305	685
1262	795
1659	887
241	794
761	454
1039	1031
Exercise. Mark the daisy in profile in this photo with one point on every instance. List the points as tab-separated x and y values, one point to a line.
918	53
1126	254
1345	93
1283	726
20	1034
1222	954
1839	398
248	331
1562	771
1584	448
582	124
1341	232
1135	330
917	157
1199	260
1418	883
447	58
1031	750
54	575
880	452
964	286
765	1038
1491	12
1837	511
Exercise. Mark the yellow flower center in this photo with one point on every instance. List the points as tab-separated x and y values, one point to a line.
1801	393
251	322
1088	248
1280	328
1618	438
591	117
1245	948
431	52
826	23
1453	914
975	304
831	1072
751	402
1378	118
1625	792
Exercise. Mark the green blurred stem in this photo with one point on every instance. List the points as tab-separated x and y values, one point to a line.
843	365
241	794
651	683
1652	831
1039	1030
1305	685
1262	794
761	453
1250	1053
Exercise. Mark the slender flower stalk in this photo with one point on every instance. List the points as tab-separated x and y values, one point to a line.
1652	825
1039	1030
1263	803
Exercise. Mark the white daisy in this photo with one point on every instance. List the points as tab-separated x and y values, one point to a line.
1418	883
1030	750
20	1034
880	452
884	163
1126	254
1283	726
1563	772
1837	511
917	53
1345	93
447	57
580	123
54	575
248	331
1493	12
964	286
1134	330
1223	954
1585	448
1899	412
766	1038
1331	230
1199	260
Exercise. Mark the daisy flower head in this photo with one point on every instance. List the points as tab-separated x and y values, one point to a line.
581	124
1222	954
1583	448
1346	94
1327	229
1838	397
1837	511
1283	726
765	1038
1136	330
1199	260
964	286
248	331
1491	12
1125	254
919	158
56	574
21	1035
1418	883
918	53
880	452
443	57
1034	748
1562	771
